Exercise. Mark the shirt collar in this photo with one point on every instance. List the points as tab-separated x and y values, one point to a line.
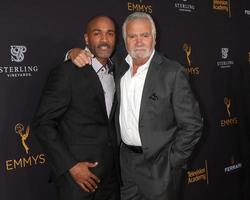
97	65
129	60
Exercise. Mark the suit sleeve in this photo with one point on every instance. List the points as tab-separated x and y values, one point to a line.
53	104
188	118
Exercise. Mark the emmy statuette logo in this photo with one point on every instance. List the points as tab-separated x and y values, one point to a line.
24	134
27	160
17	53
230	120
191	69
227	102
187	48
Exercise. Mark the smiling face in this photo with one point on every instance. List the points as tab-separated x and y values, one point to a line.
100	38
139	39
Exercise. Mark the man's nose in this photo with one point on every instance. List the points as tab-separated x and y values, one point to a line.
104	37
139	40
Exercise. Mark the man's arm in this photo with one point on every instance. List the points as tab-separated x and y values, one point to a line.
54	103
189	121
80	57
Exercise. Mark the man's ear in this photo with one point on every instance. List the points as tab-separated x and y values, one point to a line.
86	38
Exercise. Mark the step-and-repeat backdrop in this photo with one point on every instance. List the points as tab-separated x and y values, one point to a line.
211	38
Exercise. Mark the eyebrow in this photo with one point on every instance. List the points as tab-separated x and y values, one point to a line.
109	30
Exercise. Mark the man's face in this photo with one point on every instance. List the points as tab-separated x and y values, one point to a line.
139	39
100	38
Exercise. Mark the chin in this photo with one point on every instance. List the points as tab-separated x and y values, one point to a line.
104	56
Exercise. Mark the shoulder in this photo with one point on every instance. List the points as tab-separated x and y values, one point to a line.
68	69
166	63
170	70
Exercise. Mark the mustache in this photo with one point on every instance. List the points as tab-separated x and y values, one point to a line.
103	45
140	48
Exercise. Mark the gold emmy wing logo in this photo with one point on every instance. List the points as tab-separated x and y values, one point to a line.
230	121
24	134
227	102
187	48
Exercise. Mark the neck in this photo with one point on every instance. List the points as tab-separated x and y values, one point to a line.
137	63
103	61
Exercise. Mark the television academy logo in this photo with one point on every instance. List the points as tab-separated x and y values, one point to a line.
198	175
222	5
229	121
233	166
17	53
225	63
183	6
28	160
139	7
192	70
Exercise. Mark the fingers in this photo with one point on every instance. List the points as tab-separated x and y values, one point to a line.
83	187
85	57
88	185
84	177
95	178
91	165
82	59
88	52
78	63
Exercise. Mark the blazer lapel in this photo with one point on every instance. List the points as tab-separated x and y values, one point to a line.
123	69
114	104
149	85
97	86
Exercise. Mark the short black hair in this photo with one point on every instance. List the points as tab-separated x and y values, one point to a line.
95	18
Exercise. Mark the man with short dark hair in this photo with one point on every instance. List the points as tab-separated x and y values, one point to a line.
75	121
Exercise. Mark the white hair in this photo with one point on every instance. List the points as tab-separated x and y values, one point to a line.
138	15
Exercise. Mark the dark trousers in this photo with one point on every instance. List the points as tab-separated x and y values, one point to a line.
138	180
108	189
